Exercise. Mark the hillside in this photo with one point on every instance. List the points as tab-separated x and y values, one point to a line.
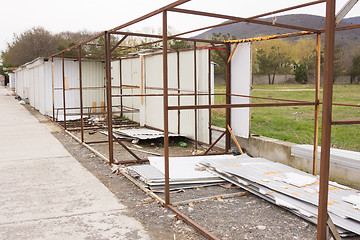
247	30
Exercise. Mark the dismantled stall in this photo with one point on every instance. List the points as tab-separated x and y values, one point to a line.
155	91
190	81
143	75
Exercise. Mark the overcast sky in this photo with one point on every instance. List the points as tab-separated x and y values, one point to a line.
76	15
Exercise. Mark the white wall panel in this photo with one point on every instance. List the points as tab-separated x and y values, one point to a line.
47	89
93	76
240	84
115	82
152	108
131	75
35	83
19	83
11	80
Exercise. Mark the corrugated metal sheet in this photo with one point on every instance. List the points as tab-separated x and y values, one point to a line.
286	186
155	179
142	133
184	172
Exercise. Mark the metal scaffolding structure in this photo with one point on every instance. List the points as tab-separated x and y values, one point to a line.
163	40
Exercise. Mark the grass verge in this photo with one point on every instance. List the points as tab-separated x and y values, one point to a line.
296	124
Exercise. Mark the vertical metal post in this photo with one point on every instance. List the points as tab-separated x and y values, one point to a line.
142	79
165	105
52	86
228	99
195	99
81	97
63	89
326	119
317	105
121	91
209	98
108	95
178	86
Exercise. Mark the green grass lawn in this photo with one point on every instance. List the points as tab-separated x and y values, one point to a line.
296	124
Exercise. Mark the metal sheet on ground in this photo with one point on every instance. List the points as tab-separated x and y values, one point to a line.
143	133
267	179
155	179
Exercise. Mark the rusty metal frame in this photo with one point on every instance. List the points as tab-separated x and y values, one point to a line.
327	103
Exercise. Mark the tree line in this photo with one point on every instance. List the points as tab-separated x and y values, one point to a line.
296	56
39	42
271	57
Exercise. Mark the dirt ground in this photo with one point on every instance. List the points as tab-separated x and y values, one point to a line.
241	217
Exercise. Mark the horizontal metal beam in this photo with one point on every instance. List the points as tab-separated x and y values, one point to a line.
254	17
264	38
344	122
349	27
169	37
288	9
241	105
255	21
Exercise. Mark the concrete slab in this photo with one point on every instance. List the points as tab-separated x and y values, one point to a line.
41	144
60	183
45	193
95	226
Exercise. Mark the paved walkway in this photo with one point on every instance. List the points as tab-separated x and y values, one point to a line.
45	193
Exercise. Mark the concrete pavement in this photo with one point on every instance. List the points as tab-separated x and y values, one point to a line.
45	193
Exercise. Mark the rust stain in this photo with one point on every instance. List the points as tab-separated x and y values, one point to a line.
271	172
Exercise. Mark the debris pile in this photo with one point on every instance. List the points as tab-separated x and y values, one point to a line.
184	173
290	188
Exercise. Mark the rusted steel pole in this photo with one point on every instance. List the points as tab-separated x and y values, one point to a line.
317	102
63	89
209	96
228	97
194	224
52	86
216	141
108	96
121	88
195	99
326	118
81	97
178	86
127	149
165	106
